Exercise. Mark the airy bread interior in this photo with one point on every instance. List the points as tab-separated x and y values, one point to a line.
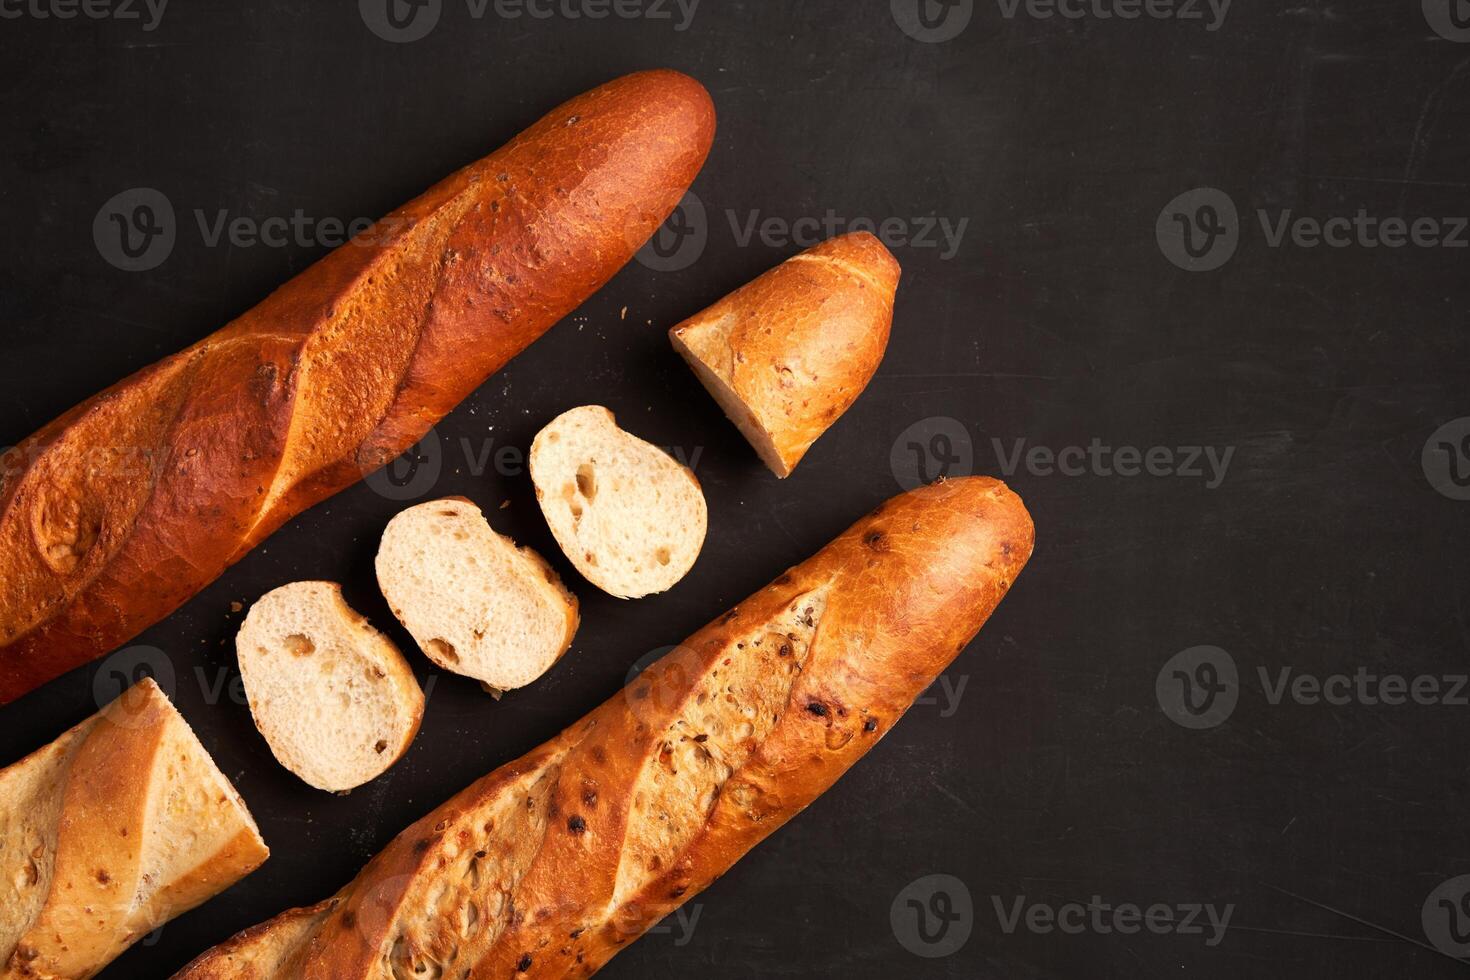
333	697
630	518
475	603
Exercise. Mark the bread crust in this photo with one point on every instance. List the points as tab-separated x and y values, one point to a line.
105	828
789	352
565	833
116	513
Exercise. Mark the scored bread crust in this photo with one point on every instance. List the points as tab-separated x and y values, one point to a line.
552	863
116	513
317	675
532	571
120	824
786	354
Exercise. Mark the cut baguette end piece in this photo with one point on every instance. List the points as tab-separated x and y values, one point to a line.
736	410
476	603
335	700
626	514
786	354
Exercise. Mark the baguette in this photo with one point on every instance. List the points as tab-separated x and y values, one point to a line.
552	863
332	696
116	827
786	354
115	514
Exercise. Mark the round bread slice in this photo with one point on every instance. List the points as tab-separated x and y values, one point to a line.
475	603
786	354
334	698
627	515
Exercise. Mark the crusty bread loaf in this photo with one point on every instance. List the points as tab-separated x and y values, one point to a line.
625	513
552	863
789	352
334	698
116	513
116	827
474	602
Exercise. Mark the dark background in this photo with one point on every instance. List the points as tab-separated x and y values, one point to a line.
1056	775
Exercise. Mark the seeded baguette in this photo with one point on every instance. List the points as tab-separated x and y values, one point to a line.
115	514
110	831
552	863
786	354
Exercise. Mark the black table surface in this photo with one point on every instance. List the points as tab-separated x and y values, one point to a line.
1175	749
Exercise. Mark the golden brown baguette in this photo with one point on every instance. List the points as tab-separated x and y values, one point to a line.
119	511
551	864
116	827
786	354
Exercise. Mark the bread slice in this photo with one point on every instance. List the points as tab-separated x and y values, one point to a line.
333	697
475	603
786	354
627	515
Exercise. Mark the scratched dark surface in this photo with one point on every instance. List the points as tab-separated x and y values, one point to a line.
1044	771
